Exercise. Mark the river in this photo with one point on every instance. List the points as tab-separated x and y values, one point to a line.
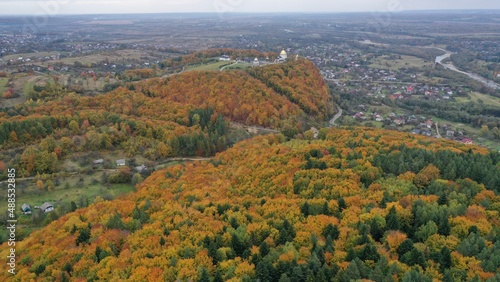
450	66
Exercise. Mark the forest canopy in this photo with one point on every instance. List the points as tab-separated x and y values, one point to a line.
341	207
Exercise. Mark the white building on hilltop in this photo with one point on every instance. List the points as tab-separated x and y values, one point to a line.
283	54
256	62
282	57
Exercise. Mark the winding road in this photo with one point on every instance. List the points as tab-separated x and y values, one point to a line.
221	69
336	117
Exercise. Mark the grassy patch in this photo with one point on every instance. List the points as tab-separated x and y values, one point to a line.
385	62
70	189
3	84
238	66
112	56
476	97
208	67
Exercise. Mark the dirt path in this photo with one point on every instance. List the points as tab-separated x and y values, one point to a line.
437	130
193	159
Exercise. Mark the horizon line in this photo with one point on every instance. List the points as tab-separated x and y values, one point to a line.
267	13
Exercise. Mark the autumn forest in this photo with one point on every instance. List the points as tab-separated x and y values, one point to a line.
340	204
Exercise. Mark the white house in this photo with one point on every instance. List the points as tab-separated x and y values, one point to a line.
47	207
225	58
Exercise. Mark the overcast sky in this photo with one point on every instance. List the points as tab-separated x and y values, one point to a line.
60	7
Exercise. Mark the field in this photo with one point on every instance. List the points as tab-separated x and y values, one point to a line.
70	189
476	96
238	66
3	84
208	67
112	56
385	62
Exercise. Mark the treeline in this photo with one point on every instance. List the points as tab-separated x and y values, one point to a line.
480	168
26	130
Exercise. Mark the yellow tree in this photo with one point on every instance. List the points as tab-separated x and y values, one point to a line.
39	184
426	176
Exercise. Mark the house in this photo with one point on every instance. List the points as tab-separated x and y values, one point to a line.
141	168
98	162
256	62
26	209
450	133
426	132
120	162
429	123
225	58
47	207
467	141
399	122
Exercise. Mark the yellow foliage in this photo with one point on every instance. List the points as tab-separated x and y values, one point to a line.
394	239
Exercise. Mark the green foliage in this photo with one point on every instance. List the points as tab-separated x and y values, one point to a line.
83	236
392	220
480	168
115	222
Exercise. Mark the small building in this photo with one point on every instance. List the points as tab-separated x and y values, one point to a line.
450	133
47	207
225	58
282	57
26	209
141	168
121	162
256	62
98	162
467	141
399	122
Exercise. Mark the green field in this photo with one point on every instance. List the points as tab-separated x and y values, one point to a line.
476	96
238	66
386	62
70	189
209	67
112	56
62	194
3	84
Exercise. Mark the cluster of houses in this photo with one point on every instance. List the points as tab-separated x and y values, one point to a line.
46	208
421	125
257	62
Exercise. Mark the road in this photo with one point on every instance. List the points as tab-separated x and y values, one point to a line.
168	160
221	69
336	117
254	128
437	130
170	74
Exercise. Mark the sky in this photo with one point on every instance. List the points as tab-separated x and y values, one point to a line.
62	7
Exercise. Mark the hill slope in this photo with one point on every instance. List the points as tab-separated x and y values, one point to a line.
158	118
348	206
